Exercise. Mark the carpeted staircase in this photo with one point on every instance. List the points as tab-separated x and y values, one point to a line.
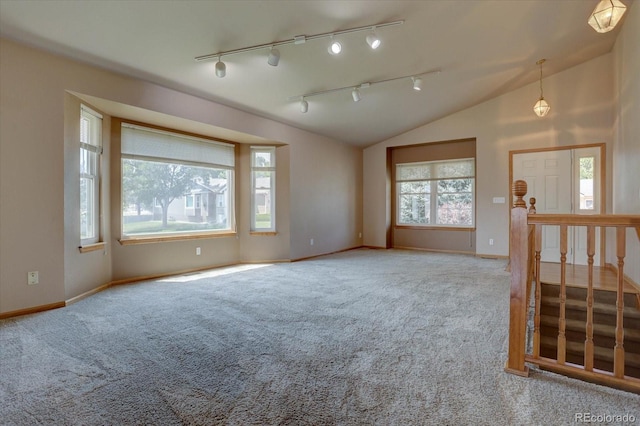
604	320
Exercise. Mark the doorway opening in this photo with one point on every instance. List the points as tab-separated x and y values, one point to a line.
564	180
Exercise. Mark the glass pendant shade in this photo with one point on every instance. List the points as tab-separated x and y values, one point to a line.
606	15
541	108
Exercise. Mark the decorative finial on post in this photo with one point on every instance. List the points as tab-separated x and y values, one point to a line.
532	205
519	190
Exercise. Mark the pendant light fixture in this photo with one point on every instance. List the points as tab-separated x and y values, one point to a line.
541	108
606	15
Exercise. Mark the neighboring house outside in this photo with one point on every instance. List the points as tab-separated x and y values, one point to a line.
204	203
586	194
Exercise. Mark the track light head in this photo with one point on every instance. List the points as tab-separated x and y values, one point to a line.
335	47
372	39
304	105
355	94
274	57
417	83
221	69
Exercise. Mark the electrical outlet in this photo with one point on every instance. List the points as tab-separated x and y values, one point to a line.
32	278
311	242
360	235
490	241
198	251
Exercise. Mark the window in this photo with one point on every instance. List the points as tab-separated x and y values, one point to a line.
586	165
90	151
175	184
436	193
263	189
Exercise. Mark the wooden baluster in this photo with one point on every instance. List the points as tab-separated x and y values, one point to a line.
536	318
562	339
531	239
517	297
588	343
618	351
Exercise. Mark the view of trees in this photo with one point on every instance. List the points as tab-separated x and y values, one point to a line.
147	182
435	192
451	202
586	168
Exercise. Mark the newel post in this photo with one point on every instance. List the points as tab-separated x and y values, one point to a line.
518	259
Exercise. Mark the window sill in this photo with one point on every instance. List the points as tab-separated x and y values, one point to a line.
261	233
436	228
92	247
167	238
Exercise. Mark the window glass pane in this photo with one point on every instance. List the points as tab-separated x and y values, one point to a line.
154	195
436	193
86	208
455	209
262	159
263	176
586	183
414	209
90	143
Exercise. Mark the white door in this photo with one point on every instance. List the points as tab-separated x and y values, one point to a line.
563	182
549	180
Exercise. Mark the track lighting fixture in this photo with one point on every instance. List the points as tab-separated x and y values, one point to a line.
417	83
372	39
355	90
274	54
274	57
335	47
606	15
355	94
541	108
221	68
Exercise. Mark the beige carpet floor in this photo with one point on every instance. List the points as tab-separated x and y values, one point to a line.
364	337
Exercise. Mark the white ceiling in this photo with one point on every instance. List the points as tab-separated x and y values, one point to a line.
484	48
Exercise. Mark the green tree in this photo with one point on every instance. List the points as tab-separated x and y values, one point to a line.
146	182
586	168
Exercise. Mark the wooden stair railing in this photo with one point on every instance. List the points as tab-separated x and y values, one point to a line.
525	249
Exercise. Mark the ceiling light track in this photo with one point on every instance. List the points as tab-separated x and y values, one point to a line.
301	39
355	89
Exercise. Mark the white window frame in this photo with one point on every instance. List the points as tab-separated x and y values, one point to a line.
255	171
90	165
432	182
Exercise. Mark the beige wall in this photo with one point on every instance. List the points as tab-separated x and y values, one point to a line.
581	113
321	187
626	147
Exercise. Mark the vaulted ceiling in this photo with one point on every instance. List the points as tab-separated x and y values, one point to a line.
483	48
